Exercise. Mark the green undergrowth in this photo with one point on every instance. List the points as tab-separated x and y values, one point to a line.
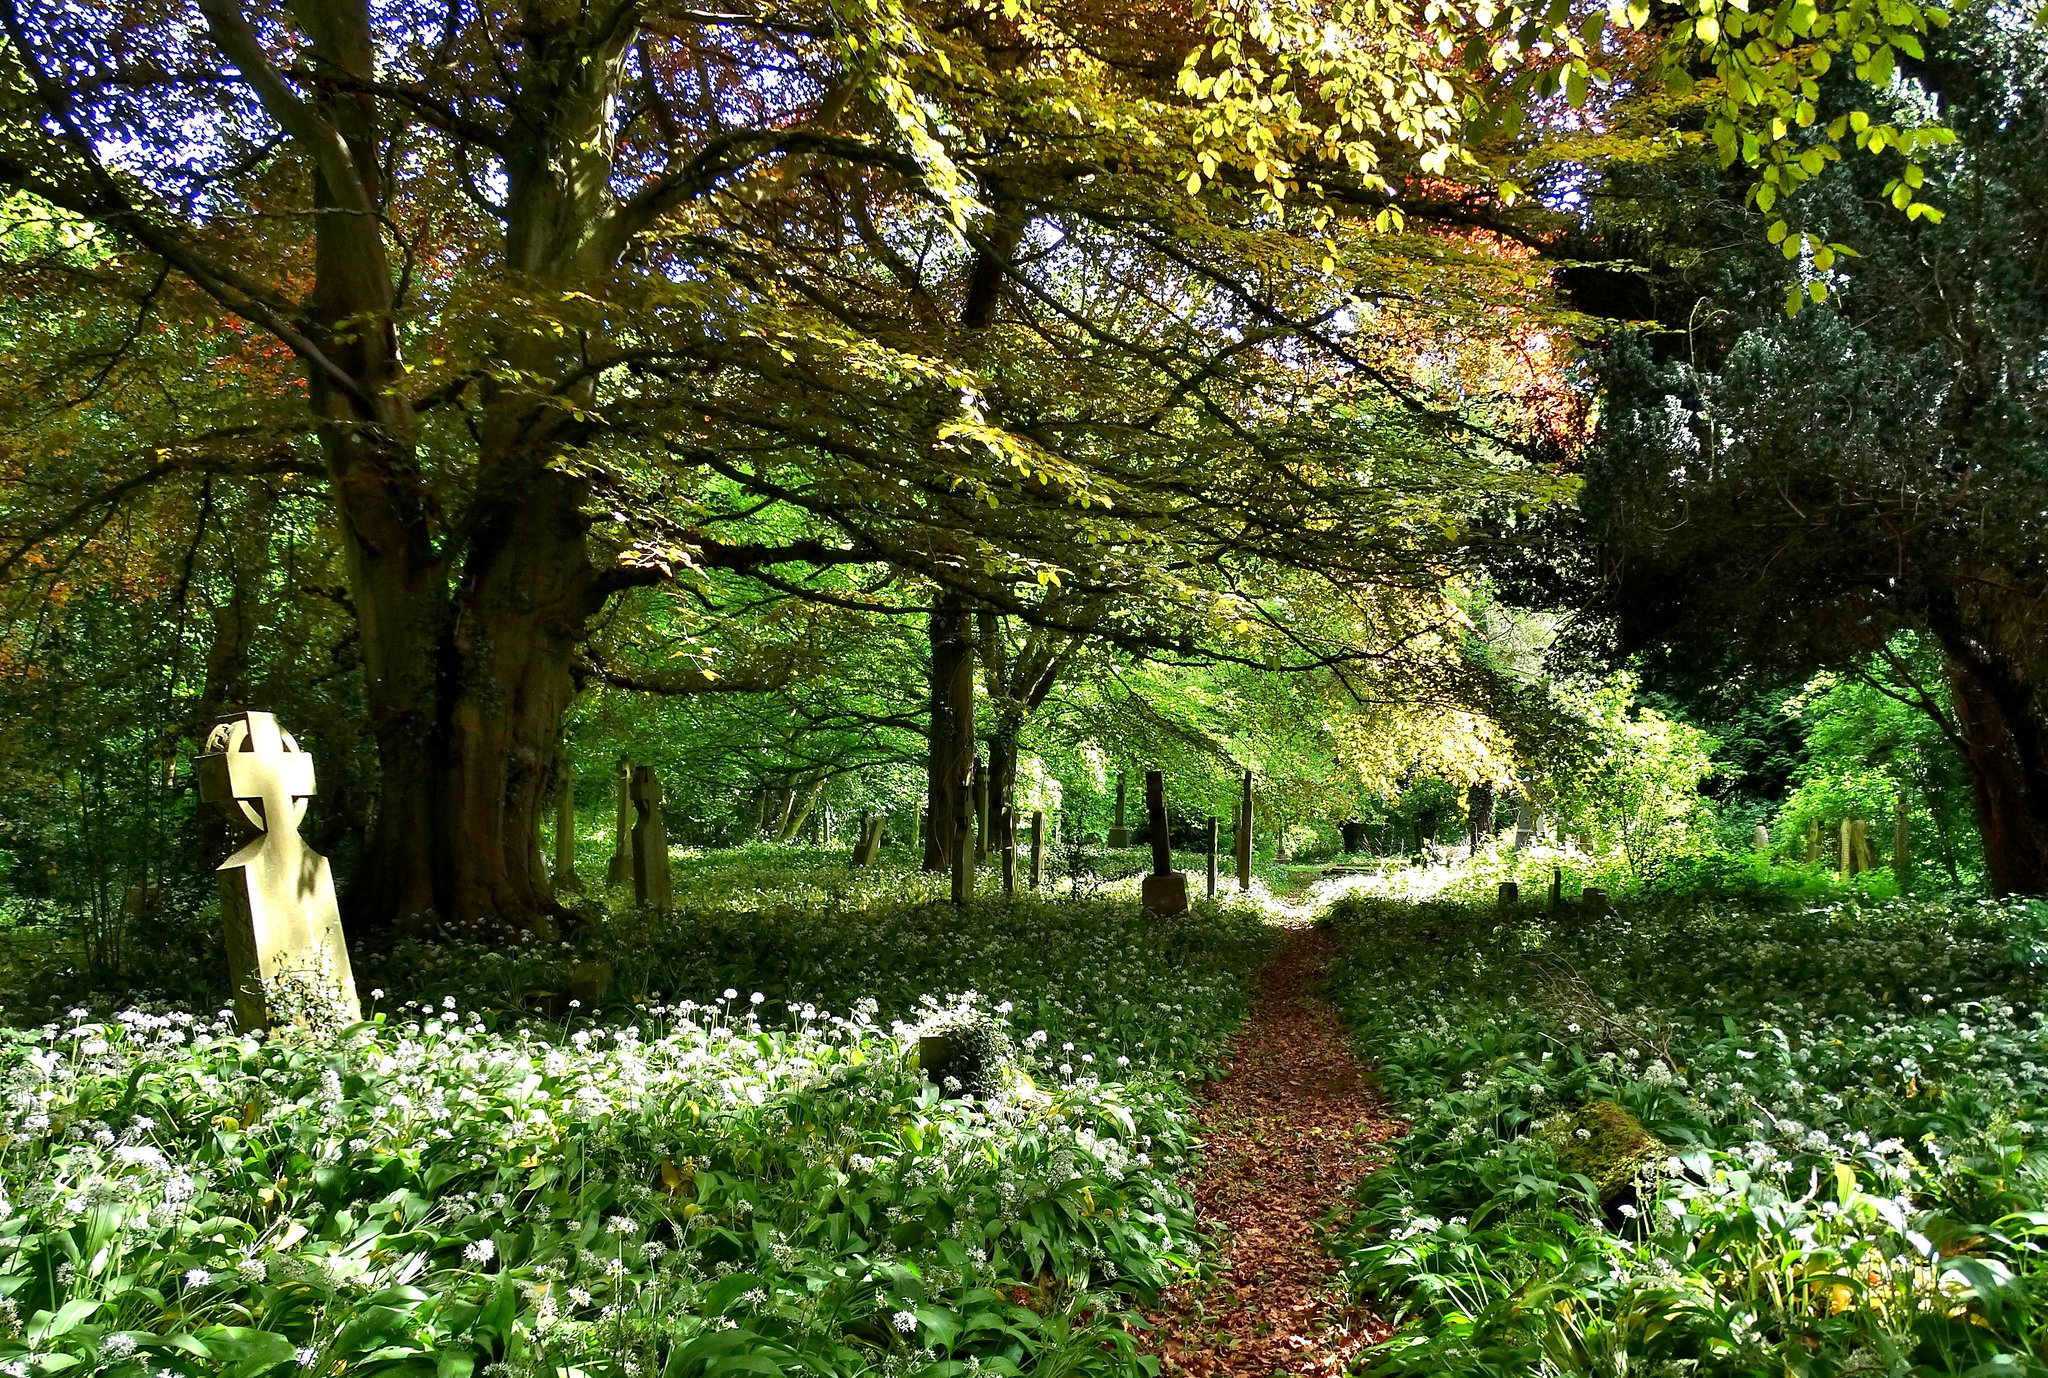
737	1168
1704	1138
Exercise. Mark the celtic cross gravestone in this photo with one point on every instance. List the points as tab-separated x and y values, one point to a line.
286	956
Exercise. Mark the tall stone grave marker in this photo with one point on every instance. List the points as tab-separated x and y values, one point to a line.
286	955
650	841
1245	823
1165	891
620	870
1120	832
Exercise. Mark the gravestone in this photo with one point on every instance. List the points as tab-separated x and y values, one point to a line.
1557	889
620	869
1165	891
1210	858
1593	903
1120	833
1509	895
286	954
870	840
1763	838
650	841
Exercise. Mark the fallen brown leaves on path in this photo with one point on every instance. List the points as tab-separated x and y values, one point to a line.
1288	1133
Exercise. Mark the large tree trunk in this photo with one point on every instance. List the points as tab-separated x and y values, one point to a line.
800	810
2011	789
1480	814
950	760
1002	788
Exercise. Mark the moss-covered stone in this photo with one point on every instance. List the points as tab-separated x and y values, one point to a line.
974	1057
1602	1142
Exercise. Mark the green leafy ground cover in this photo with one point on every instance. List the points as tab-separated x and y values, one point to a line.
1705	1138
729	1182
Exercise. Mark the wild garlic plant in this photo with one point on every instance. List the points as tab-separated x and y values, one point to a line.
1849	1103
712	1183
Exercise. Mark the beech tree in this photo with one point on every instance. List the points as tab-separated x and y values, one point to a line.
571	286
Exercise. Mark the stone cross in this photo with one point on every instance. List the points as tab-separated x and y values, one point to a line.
620	870
1165	891
1119	832
650	841
286	955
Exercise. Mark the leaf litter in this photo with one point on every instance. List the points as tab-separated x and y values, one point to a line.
1288	1133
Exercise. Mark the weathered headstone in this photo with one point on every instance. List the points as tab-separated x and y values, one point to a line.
566	879
1509	896
1210	859
1525	825
286	954
1120	833
1763	838
650	841
1812	841
1557	889
869	842
1593	902
1165	891
619	871
1037	848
